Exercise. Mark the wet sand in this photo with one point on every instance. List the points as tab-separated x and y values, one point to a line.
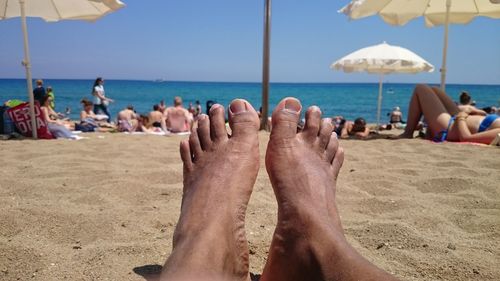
105	208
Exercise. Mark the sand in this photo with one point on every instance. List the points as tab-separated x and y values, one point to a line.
105	208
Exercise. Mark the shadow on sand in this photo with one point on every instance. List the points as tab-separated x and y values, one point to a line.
151	272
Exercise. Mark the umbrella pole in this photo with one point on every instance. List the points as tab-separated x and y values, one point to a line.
27	65
445	47
265	66
379	107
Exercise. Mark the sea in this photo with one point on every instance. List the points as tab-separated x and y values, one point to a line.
350	100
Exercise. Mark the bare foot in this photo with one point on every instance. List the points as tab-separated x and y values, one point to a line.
219	174
308	242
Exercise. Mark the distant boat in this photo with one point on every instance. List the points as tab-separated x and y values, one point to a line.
160	81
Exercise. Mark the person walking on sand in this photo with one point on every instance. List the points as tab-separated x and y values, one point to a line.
220	170
101	102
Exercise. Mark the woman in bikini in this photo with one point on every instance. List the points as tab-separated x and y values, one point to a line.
446	121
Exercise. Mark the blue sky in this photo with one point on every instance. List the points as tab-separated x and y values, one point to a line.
221	40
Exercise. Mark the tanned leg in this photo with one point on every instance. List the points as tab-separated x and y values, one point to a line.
427	103
448	103
219	173
309	242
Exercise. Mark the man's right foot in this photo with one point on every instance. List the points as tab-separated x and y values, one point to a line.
308	242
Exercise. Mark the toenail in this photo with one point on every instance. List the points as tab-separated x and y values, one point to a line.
238	107
292	105
215	106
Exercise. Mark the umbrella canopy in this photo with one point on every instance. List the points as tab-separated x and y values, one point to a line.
382	59
435	12
52	10
56	10
400	12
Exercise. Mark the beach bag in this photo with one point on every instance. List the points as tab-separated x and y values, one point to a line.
21	117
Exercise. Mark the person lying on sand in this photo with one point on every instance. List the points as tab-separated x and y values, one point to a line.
468	106
357	129
444	120
209	241
177	118
127	120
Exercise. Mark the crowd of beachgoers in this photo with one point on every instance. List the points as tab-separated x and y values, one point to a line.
431	112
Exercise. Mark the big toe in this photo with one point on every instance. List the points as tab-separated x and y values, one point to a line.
286	118
243	119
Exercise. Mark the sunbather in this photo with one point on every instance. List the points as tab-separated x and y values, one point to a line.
177	118
357	129
56	127
128	120
446	121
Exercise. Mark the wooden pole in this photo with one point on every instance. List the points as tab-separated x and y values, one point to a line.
265	66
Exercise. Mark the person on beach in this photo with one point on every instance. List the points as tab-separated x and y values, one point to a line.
209	242
469	106
56	127
50	93
191	109
197	109
162	106
101	102
127	120
396	116
89	121
146	126
445	119
338	124
177	118
156	117
357	129
39	92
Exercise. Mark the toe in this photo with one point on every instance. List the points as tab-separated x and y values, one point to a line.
194	144
313	121
337	162
186	155
243	119
285	119
325	133
217	123
204	132
332	148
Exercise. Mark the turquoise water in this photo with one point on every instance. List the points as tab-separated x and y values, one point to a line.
349	100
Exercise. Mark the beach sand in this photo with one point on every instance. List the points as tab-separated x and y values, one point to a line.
105	208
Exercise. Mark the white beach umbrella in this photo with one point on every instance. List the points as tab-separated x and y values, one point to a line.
52	11
435	12
382	59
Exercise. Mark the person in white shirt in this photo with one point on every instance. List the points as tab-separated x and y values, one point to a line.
101	102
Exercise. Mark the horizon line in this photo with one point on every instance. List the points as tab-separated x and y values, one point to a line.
248	82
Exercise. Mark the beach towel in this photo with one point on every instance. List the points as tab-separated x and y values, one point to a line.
21	118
